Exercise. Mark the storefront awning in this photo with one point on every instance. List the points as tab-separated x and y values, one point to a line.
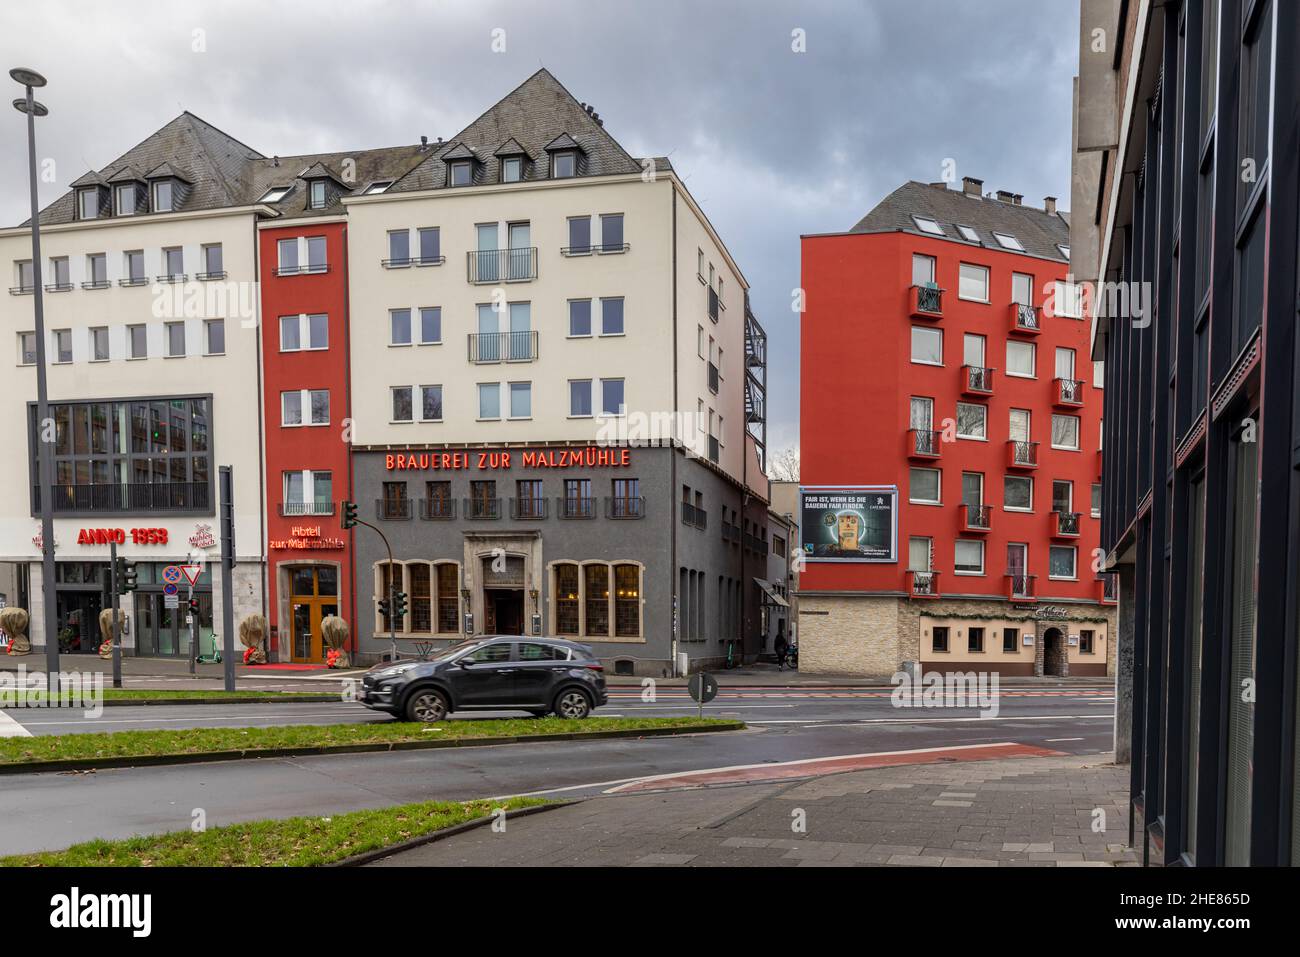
772	597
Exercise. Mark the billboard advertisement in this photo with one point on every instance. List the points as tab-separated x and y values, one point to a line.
849	523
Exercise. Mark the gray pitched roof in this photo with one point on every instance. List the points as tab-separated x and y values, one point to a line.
1038	231
164	170
534	114
127	174
510	147
361	168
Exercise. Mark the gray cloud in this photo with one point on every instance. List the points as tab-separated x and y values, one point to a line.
772	143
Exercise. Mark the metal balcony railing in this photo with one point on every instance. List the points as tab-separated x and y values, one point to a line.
619	506
1021	587
528	508
1025	319
1069	392
575	507
489	347
925	442
483	508
393	509
924	584
291	509
1067	524
977	380
501	265
976	517
437	509
309	269
1022	455
927	302
694	516
129	497
1110	587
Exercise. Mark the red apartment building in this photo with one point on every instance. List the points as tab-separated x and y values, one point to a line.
950	443
305	361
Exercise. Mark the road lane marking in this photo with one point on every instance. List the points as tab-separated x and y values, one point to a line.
1057	740
867	721
10	728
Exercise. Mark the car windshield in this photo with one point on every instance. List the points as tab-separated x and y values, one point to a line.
452	650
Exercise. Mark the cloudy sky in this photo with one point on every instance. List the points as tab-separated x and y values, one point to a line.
773	143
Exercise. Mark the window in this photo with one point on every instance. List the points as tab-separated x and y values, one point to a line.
315	401
304	333
580	398
521	400
135	266
611	232
1095	505
920	552
1022	289
399	247
1010	641
972	488
922	270
430	403
1086	644
923	486
972	421
1021	359
489	400
318	194
213	261
973	350
529	502
430	245
214	337
275	194
1062	496
1067	300
564	165
162	197
975	640
927	225
927	345
459	173
97	269
308	493
973	283
627	601
88	203
596	595
395	505
579	317
1064	250
430	325
969	234
60	278
1064	363
287	252
62	345
399	327
611	396
401	398
375	188
1065	432
1061	560
1007	241
1017	493
175	332
316	254
579	234
512	169
611	316
173	262
137	345
968	557
27	348
567	598
577	498
939	640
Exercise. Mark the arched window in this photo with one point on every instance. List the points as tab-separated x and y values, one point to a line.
567	591
448	578
421	607
596	599
627	601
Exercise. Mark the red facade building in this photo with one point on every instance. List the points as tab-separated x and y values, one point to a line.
950	443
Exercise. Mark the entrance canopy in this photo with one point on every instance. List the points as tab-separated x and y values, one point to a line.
772	597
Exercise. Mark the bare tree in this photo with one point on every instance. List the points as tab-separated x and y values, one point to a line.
785	465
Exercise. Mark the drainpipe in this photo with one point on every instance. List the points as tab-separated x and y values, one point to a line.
672	466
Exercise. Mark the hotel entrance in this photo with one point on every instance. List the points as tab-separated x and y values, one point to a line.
313	595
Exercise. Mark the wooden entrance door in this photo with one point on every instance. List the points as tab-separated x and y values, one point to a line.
313	595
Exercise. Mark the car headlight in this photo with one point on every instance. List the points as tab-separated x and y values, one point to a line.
393	672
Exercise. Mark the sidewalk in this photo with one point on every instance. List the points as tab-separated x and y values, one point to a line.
1020	812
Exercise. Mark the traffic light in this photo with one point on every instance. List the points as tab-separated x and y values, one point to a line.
399	604
383	607
126	576
349	514
194	606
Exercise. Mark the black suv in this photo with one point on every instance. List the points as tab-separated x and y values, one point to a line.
491	673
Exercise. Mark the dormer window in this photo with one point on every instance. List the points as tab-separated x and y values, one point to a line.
927	225
968	234
88	203
319	196
1007	241
564	164
124	199
275	194
512	169
376	188
460	173
163	196
1065	250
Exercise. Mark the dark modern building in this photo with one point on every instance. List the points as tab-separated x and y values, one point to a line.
1185	213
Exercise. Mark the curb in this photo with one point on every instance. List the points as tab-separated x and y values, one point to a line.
147	702
204	757
390	850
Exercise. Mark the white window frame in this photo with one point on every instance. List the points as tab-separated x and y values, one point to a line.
928	225
24	337
130	341
1074	562
1033	359
308	483
207	336
410	328
419	312
441	396
510	400
304	332
1018	478
91	337
938	473
961	281
1078	427
591	399
984	417
167	340
926	331
1008	241
478	399
983	557
392	395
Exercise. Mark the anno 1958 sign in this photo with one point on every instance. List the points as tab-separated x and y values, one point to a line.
589	457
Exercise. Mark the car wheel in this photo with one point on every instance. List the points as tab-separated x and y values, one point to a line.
426	705
572	703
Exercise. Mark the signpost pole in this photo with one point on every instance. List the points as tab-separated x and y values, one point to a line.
116	633
195	650
227	573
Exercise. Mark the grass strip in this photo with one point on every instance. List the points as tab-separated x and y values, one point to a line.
199	741
294	842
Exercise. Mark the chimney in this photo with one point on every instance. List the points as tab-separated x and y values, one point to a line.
1006	196
275	161
971	186
940	185
424	143
1049	205
1018	199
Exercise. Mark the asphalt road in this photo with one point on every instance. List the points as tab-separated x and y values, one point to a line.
43	811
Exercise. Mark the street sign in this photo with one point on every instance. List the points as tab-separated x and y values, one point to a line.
192	573
169	589
171	574
171	601
703	687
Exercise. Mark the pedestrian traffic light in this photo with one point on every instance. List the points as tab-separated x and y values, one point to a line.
399	604
126	576
383	607
349	514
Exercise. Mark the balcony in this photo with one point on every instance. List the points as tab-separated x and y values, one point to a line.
694	516
310	269
713	304
925	302
486	348
923	443
1022	455
575	507
96	284
294	509
133	281
974	518
171	278
619	506
437	509
1022	587
1025	320
730	533
977	381
393	509
1108	588
923	584
713	378
755	544
483	508
1065	524
21	290
409	261
59	287
528	508
129	497
1067	393
487	266
210	276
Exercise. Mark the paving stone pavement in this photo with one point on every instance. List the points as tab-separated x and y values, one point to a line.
1021	812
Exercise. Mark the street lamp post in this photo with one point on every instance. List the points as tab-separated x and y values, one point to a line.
30	79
